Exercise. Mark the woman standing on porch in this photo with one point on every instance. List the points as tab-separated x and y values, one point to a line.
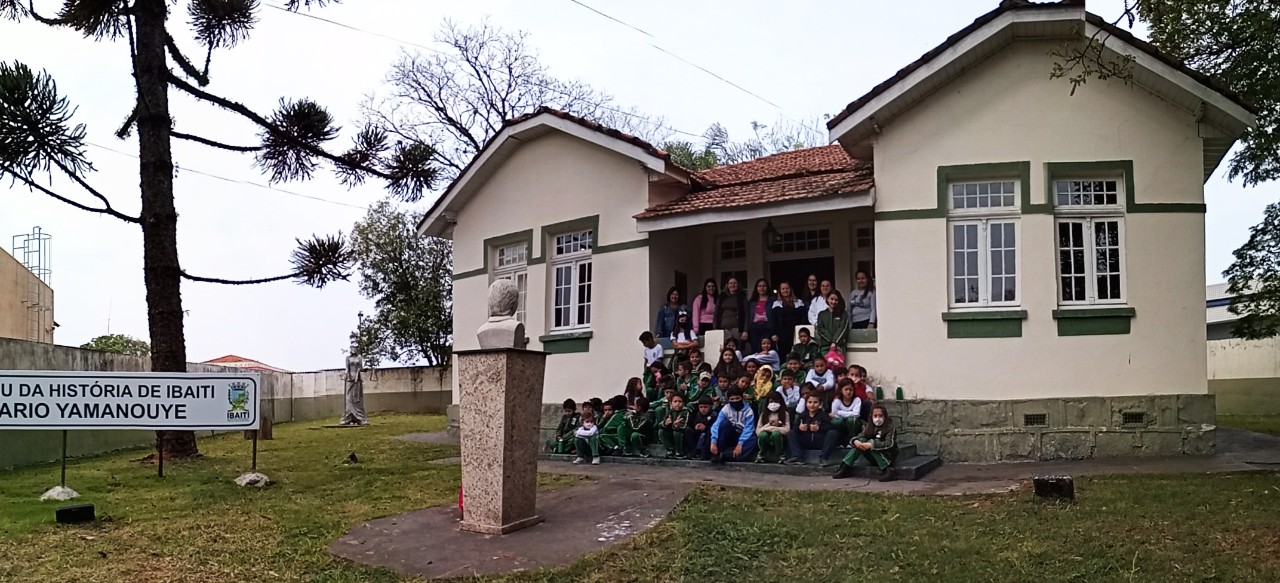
788	312
704	307
731	311
819	303
760	315
862	302
832	330
665	323
809	290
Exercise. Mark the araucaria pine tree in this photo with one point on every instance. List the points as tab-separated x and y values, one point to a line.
38	138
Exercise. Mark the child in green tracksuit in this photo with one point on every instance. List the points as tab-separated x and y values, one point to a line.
805	350
878	442
772	426
671	430
611	426
659	407
638	427
685	377
563	442
698	389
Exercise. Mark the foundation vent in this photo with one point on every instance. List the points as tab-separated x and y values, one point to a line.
1133	418
1035	420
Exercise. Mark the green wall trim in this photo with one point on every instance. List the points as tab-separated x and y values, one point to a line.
623	246
1057	170
947	174
472	273
1009	328
985	315
566	342
525	236
985	324
1094	326
1094	313
869	336
862	349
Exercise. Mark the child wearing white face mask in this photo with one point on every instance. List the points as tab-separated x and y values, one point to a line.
772	428
878	442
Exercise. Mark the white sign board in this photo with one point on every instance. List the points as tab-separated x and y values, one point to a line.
128	400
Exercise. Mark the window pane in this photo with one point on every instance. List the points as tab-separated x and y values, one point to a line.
1071	261
1087	192
1107	259
1003	258
982	195
584	293
965	263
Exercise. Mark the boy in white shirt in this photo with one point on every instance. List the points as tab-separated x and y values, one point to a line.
823	379
652	350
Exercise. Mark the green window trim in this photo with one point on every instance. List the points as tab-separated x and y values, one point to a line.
948	174
1065	170
547	231
868	336
1094	321
985	324
566	342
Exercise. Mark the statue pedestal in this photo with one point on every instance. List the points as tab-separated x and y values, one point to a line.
500	406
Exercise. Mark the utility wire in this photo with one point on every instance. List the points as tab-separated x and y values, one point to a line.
701	68
237	181
440	52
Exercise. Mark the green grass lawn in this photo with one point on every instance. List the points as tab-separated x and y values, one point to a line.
196	525
1260	423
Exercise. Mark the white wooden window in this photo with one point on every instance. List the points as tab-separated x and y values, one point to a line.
731	260
511	262
983	243
571	280
1090	240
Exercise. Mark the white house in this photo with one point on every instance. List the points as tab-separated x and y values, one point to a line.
1038	255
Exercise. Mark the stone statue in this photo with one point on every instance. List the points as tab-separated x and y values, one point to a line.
353	410
502	329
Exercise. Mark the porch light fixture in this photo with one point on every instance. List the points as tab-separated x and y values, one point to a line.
772	238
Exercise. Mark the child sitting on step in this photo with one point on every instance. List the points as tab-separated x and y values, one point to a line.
878	442
698	433
813	431
587	439
563	442
771	429
671	429
611	423
845	410
639	425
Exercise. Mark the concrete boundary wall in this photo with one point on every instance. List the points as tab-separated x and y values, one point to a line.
1245	376
304	396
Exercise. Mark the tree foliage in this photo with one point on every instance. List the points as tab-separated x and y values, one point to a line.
1254	279
39	140
718	149
119	344
410	280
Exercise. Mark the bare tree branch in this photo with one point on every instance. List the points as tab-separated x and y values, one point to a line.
202	279
109	211
183	63
213	143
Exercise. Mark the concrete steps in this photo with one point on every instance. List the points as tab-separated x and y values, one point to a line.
910	465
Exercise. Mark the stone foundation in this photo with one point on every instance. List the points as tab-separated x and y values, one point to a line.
1037	430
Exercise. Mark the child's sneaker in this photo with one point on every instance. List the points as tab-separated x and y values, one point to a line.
578	460
759	459
595	461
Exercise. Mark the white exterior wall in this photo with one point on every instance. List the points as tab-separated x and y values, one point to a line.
552	179
1007	110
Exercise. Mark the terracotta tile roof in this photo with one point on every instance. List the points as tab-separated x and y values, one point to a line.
796	162
234	361
789	176
1011	5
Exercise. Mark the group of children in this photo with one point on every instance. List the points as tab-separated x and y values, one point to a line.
740	410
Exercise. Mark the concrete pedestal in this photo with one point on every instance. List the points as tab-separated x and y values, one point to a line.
499	408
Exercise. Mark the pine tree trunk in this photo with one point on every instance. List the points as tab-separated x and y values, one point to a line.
161	270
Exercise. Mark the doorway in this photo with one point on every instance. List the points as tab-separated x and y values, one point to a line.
797	271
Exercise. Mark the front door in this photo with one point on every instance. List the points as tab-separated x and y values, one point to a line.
797	271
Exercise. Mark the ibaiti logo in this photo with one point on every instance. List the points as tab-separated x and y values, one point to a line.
238	397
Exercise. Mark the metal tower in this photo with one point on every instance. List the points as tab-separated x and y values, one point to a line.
34	251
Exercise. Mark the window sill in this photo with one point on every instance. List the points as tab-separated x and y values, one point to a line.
567	342
985	323
1094	321
867	336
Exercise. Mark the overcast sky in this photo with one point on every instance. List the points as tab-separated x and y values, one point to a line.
808	57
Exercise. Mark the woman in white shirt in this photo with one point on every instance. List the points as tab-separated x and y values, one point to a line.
819	303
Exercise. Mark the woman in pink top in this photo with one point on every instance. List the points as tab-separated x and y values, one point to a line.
704	307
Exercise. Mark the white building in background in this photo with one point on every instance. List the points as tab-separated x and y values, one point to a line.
1038	255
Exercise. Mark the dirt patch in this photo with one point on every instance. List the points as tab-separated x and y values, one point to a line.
1257	544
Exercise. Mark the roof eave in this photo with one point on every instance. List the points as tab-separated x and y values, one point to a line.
442	216
843	200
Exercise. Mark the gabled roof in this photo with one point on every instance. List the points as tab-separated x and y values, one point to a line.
788	177
234	361
521	129
1020	19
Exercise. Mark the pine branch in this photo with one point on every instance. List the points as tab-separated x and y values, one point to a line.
111	212
185	64
85	185
201	279
213	143
126	128
261	121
